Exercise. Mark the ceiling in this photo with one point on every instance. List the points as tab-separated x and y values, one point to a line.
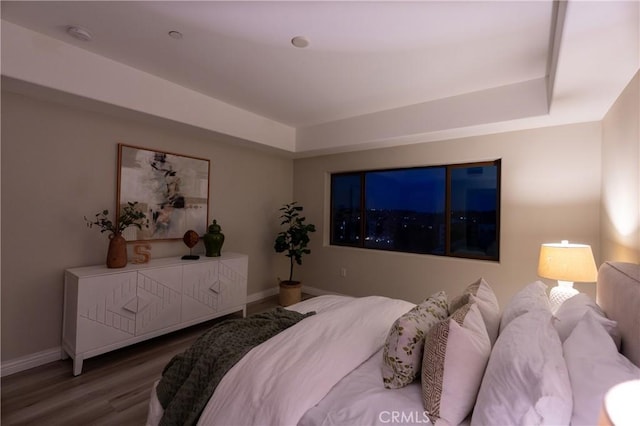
367	63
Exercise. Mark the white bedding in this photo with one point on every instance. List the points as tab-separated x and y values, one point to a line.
276	383
361	399
325	370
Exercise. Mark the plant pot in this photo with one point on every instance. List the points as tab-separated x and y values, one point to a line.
117	254
290	292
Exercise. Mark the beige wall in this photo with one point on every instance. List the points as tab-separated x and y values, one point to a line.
59	164
550	191
620	217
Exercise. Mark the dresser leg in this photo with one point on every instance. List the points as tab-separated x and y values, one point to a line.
77	366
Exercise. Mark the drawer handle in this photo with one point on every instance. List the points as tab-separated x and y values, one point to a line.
135	305
215	287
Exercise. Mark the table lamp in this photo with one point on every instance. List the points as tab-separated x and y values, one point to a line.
566	263
620	406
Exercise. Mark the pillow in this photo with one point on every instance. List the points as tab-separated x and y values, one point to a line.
594	366
456	352
402	353
531	298
574	308
526	381
458	302
483	295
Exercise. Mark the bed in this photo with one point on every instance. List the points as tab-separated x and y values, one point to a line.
372	360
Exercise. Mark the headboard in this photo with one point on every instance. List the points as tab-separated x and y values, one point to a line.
618	294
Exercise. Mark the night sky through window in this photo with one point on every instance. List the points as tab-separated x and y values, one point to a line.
405	210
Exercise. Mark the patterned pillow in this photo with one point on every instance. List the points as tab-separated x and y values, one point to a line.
456	352
458	302
481	293
402	354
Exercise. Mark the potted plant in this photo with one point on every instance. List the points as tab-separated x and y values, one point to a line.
292	241
130	215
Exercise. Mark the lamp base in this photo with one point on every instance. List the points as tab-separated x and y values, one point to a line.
560	293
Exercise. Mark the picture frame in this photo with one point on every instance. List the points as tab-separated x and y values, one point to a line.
171	189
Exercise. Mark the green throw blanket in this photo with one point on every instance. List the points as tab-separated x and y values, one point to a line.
189	379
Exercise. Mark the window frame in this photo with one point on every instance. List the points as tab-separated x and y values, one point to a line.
447	209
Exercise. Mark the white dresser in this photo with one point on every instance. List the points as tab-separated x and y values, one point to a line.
106	309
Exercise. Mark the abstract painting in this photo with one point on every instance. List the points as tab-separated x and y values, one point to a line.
171	189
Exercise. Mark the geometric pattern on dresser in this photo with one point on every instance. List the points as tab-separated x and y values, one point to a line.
204	287
231	277
152	299
133	303
107	309
229	274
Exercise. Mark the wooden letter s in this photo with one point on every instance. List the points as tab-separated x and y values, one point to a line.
143	253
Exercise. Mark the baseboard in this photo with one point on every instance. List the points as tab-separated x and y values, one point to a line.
319	292
254	297
30	361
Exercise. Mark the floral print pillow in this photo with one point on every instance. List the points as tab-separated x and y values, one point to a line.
402	353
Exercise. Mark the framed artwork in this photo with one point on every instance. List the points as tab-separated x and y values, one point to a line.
171	189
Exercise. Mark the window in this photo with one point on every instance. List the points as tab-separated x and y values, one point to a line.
451	210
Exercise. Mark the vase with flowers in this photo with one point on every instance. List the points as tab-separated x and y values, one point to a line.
131	215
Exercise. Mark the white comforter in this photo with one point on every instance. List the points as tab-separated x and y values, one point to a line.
361	399
279	380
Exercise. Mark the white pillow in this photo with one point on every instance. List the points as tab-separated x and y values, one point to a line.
481	293
455	355
574	308
531	298
402	352
594	366
526	381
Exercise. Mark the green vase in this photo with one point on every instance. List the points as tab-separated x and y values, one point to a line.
213	240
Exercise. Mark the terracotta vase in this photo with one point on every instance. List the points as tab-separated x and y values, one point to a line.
117	254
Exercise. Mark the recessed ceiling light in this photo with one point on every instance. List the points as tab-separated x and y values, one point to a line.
300	41
175	34
79	33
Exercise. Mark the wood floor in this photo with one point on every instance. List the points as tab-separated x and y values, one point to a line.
113	388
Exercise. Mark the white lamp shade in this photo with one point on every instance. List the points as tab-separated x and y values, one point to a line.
567	262
620	406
